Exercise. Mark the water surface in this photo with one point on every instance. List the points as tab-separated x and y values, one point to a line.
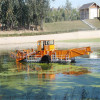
34	81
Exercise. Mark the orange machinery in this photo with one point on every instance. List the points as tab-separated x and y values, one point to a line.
46	52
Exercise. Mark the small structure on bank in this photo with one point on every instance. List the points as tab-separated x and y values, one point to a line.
89	11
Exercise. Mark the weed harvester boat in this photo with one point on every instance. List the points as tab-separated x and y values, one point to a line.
47	53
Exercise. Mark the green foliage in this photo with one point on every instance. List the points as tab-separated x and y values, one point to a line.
15	14
22	13
68	5
63	13
75	15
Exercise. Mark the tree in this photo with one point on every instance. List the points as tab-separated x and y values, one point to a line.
68	9
75	14
41	11
68	5
22	13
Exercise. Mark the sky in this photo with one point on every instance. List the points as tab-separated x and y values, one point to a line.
75	3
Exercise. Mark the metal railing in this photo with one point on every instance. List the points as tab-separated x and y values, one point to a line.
54	58
33	58
37	58
60	58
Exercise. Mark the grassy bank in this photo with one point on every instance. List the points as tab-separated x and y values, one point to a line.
39	33
94	22
82	40
54	28
66	26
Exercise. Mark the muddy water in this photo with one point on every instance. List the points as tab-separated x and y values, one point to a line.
34	81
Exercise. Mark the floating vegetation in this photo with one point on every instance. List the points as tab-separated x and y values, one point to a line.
49	81
42	68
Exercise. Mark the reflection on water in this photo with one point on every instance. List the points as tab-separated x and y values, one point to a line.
52	69
31	81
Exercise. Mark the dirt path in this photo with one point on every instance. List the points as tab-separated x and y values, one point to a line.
28	41
63	36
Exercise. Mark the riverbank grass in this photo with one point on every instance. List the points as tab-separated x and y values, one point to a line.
50	28
82	40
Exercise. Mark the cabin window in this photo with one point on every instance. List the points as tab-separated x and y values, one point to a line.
52	42
38	43
46	42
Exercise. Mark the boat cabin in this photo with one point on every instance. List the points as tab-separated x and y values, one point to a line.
46	45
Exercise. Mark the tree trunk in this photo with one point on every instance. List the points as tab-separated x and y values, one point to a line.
41	24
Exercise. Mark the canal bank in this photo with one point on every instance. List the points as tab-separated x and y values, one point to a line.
56	37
